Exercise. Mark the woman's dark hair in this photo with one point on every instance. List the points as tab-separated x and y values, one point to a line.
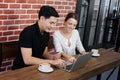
47	12
71	15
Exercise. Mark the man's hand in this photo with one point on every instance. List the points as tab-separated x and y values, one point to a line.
59	62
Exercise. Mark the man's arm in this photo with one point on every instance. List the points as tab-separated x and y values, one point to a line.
30	60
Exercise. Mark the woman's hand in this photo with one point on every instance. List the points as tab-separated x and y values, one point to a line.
56	56
72	59
82	52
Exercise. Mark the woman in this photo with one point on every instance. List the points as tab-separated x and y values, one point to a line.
67	39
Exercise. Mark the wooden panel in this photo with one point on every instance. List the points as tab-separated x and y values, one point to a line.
9	49
50	43
0	55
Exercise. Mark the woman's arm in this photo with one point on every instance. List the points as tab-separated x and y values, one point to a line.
79	45
68	57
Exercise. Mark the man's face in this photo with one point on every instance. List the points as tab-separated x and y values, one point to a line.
49	24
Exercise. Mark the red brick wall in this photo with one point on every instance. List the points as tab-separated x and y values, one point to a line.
6	64
15	15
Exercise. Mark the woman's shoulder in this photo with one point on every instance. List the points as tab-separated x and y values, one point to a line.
75	31
56	33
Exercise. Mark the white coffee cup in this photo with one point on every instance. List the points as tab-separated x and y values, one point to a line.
44	66
95	51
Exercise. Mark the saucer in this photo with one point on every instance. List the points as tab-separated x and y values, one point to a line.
45	70
96	54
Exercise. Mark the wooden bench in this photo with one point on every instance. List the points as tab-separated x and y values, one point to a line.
8	50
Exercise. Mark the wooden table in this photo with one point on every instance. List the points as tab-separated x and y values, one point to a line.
95	66
8	50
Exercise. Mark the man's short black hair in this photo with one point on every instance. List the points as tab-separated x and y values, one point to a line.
47	12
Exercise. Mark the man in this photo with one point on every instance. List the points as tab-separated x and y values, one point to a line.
34	39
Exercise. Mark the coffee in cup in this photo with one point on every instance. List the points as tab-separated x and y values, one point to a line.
45	66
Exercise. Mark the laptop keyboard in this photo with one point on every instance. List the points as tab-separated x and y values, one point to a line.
69	64
68	67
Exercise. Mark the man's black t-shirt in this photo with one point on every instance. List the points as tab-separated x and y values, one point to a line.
31	37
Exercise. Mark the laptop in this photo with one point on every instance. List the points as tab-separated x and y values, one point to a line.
80	62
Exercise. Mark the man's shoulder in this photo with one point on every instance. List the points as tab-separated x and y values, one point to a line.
29	28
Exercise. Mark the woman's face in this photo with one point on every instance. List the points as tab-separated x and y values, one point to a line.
70	24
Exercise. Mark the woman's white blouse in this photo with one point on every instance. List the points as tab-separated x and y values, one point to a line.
61	43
